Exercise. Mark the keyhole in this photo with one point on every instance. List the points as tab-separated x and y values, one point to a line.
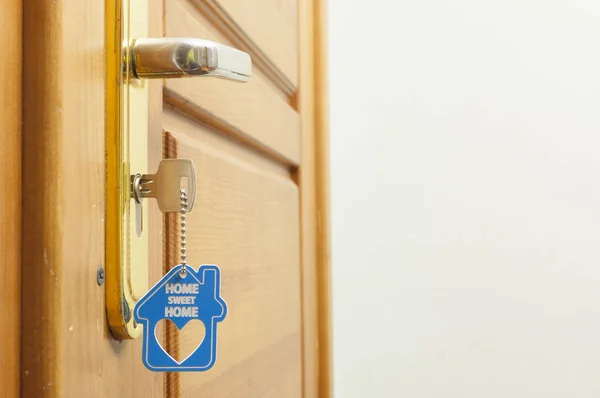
139	210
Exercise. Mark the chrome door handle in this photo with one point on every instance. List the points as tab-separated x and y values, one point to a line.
170	57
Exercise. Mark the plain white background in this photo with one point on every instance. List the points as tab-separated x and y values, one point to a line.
465	169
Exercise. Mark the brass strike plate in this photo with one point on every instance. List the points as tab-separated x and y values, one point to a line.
126	154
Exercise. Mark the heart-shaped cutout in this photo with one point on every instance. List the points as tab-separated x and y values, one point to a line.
189	338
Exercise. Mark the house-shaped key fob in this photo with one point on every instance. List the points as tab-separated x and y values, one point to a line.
182	297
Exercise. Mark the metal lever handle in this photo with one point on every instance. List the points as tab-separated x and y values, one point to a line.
169	57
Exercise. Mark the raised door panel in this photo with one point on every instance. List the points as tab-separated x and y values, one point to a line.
256	112
266	28
246	220
245	142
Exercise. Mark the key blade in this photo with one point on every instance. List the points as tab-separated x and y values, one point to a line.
164	186
139	219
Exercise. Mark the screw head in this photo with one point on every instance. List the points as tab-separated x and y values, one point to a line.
100	276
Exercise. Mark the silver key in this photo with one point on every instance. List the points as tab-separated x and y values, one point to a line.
165	186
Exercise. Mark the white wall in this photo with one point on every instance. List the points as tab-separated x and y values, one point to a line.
465	160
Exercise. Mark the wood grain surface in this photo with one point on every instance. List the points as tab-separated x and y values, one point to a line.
10	196
246	220
255	112
67	348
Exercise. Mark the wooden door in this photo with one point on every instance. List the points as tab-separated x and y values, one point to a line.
260	211
10	196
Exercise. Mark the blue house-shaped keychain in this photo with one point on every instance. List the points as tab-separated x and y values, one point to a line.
182	297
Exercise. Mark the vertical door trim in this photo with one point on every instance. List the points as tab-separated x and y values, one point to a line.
313	179
323	211
10	196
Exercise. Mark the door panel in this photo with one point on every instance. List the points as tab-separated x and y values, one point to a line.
10	196
255	112
268	25
246	219
174	121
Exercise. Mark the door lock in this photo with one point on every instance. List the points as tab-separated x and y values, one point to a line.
133	59
164	186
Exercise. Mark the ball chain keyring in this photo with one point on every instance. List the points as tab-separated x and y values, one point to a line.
183	256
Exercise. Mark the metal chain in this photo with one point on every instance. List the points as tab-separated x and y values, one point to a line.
184	204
